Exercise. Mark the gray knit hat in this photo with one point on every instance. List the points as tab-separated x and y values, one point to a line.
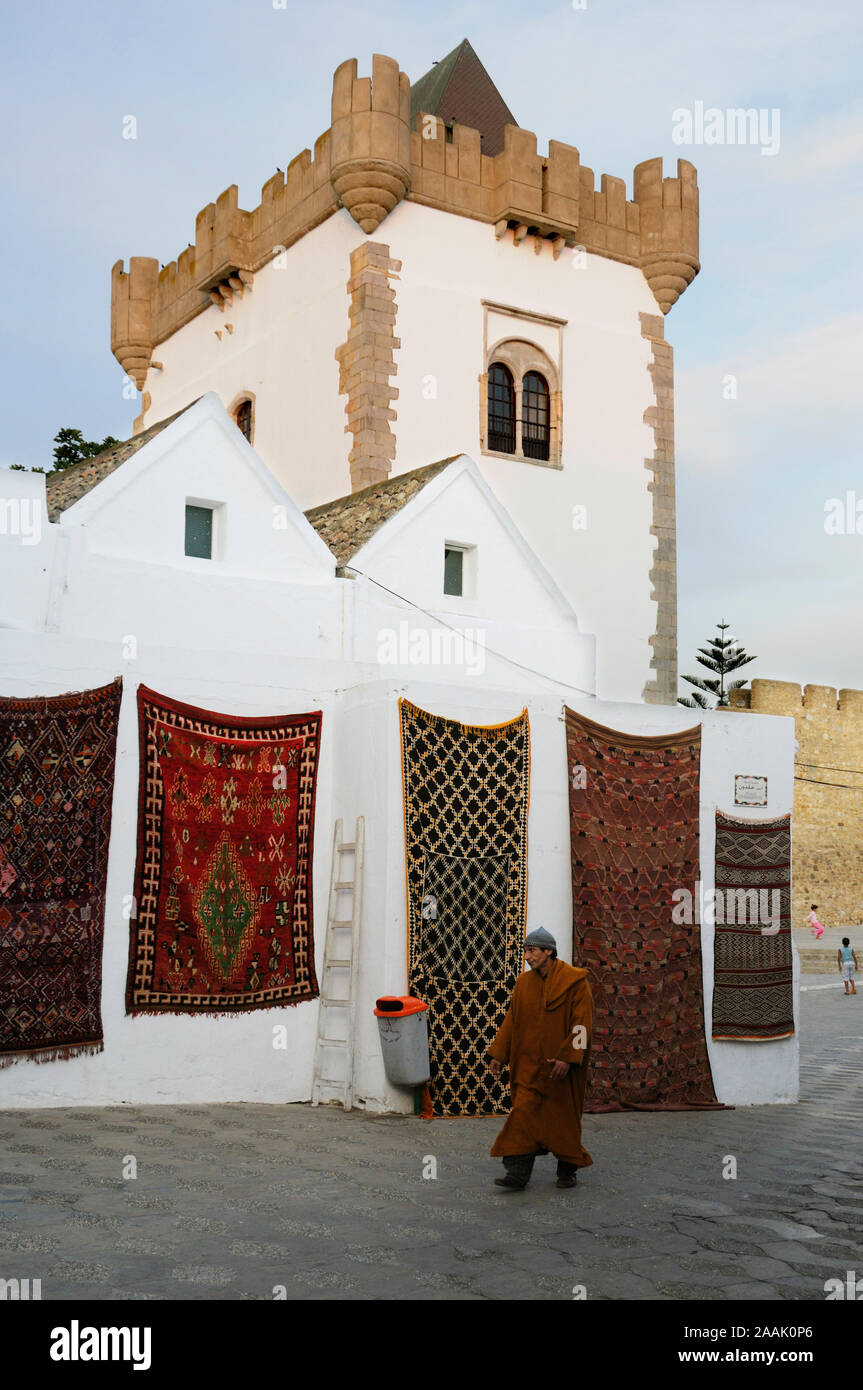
541	938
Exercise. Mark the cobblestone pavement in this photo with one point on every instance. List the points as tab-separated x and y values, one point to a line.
231	1201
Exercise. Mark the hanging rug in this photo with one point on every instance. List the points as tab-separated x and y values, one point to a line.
223	884
57	758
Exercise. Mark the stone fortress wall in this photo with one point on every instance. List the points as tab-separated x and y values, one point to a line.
828	794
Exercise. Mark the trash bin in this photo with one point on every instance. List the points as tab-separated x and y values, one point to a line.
403	1027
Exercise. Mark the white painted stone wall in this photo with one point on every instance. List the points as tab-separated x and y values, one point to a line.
509	603
165	1059
743	1073
26	550
184	1059
286	330
256	640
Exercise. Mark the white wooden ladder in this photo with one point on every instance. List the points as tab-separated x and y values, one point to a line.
334	1049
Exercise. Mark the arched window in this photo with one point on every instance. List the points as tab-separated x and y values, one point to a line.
535	416
243	418
501	409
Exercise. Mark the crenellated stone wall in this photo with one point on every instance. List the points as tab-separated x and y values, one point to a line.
368	161
828	794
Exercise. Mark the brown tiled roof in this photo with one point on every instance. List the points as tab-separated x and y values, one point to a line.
71	484
458	88
347	523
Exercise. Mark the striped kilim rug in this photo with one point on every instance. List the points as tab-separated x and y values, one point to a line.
465	803
753	990
223	886
56	787
634	806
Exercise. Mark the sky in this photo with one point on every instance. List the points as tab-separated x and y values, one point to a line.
768	340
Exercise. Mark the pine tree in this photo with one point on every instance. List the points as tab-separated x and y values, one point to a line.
722	655
70	447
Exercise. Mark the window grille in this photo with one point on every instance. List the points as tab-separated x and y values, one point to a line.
535	417
501	409
244	419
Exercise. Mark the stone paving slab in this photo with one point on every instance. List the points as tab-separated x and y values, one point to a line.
231	1202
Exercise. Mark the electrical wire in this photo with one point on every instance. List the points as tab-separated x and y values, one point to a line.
503	657
827	767
847	785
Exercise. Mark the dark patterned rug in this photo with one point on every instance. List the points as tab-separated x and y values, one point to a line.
223	885
753	988
57	759
466	801
634	828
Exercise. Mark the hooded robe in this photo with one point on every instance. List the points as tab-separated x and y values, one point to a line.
540	1023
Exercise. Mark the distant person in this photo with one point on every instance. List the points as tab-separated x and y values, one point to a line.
847	958
817	929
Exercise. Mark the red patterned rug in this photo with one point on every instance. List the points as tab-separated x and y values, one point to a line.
753	988
223	884
634	829
57	758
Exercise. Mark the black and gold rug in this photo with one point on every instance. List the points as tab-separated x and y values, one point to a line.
466	793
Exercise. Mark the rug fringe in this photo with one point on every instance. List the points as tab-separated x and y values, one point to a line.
52	1054
237	1012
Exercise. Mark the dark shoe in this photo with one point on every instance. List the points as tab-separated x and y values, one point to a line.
567	1182
510	1182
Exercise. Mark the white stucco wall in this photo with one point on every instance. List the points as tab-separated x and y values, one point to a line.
247	642
743	1073
127	575
26	549
509	603
286	330
164	1059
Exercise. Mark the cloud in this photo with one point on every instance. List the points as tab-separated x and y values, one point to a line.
813	151
804	385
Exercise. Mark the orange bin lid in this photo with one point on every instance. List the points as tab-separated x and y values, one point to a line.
398	1006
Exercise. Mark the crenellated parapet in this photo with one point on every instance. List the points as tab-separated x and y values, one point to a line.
814	701
368	162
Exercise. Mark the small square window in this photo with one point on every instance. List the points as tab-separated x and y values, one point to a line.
453	571
199	532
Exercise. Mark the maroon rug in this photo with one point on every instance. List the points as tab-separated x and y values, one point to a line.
223	886
634	831
57	758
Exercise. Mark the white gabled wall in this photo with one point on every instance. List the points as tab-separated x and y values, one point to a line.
510	604
269	586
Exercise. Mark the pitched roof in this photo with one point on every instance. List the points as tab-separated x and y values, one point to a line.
70	484
458	88
346	524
